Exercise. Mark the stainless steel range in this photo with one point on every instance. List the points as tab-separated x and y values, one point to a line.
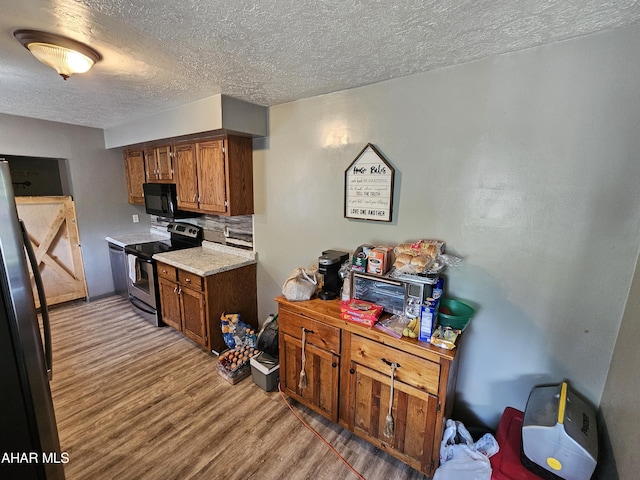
142	279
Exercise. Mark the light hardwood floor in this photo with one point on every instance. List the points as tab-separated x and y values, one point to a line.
133	401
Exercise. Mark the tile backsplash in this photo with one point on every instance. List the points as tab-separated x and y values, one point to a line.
234	231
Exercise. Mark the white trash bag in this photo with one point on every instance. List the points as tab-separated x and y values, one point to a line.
461	458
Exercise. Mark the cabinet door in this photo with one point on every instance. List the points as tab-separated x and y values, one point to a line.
134	169
193	315
321	368
164	164
414	415
186	173
170	303
211	176
158	164
150	165
239	164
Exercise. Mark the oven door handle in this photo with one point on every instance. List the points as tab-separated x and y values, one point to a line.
141	305
138	257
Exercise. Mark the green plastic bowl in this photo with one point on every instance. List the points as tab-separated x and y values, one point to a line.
454	313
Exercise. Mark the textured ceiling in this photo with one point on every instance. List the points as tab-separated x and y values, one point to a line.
159	54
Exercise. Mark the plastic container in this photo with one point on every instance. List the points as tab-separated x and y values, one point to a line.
265	374
454	313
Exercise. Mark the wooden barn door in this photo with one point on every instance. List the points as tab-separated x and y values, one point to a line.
53	231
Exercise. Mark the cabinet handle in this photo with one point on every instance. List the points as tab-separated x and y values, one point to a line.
175	289
164	271
334	364
307	330
352	371
390	363
187	280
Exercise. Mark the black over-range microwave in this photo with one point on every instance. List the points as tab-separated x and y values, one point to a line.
161	199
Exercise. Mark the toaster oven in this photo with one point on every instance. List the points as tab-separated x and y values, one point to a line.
397	296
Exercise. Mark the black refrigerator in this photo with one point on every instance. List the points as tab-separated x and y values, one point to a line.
29	445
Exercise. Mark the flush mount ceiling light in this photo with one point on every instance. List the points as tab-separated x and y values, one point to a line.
64	55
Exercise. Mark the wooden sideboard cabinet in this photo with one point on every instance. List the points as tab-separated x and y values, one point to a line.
348	370
193	304
322	352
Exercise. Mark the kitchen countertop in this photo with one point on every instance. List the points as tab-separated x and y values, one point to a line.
132	238
209	259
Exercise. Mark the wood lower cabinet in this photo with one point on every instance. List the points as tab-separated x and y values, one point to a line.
183	303
193	304
348	369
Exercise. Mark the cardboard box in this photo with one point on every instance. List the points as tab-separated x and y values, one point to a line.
379	260
359	311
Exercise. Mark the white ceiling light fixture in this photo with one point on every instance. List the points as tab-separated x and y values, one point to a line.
64	55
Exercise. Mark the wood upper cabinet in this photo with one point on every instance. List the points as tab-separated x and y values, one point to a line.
239	175
186	174
348	370
134	172
212	185
215	176
159	164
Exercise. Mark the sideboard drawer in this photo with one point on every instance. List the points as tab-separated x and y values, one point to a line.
317	333
412	370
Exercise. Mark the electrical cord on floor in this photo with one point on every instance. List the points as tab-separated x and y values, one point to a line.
309	427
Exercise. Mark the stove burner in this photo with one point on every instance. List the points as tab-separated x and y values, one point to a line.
147	250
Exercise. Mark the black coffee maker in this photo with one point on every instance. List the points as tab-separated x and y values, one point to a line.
329	266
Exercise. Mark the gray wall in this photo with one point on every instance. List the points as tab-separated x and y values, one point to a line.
622	391
525	164
98	185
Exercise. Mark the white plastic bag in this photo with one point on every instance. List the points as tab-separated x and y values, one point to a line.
461	458
466	464
300	285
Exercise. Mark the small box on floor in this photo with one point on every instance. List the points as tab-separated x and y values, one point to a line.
265	371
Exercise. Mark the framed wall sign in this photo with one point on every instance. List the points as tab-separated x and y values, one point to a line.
368	187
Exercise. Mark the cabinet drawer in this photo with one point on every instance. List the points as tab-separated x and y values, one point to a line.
190	280
415	371
317	333
167	271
